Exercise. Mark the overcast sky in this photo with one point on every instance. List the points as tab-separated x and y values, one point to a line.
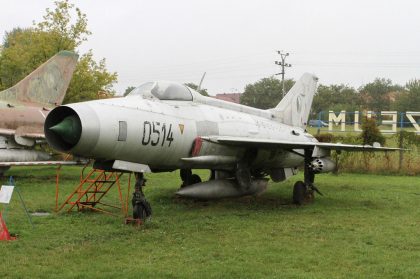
235	42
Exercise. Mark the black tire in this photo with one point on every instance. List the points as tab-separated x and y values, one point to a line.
142	210
195	179
185	174
299	192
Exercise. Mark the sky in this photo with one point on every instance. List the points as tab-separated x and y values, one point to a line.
236	42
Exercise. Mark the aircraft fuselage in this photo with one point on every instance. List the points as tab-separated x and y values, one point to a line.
161	133
20	116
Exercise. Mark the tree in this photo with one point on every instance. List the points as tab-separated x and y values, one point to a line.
128	90
24	49
59	21
89	78
265	93
409	100
377	94
194	86
370	132
336	98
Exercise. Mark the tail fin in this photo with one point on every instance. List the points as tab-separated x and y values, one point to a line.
47	85
294	108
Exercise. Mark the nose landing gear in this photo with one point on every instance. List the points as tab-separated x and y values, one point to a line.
141	207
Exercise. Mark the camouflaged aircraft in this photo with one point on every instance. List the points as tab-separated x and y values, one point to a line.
164	126
24	107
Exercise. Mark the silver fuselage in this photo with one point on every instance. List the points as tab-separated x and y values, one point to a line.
160	133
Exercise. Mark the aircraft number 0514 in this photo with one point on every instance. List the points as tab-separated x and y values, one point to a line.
155	132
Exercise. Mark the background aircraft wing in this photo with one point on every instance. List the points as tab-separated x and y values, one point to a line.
25	134
271	143
7	132
42	163
32	135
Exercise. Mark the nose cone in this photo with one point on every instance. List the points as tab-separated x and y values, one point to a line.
69	129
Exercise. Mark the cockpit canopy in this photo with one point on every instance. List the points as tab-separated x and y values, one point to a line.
163	90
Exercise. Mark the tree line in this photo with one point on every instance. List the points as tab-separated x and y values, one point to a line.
379	95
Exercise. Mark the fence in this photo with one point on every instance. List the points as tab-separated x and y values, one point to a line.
389	122
403	131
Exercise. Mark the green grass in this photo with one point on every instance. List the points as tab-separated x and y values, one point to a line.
365	226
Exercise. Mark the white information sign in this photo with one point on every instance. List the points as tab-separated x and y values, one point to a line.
6	193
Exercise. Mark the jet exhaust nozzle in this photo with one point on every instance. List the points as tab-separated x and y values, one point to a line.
222	188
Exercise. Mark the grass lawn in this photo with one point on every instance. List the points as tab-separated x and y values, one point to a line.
365	226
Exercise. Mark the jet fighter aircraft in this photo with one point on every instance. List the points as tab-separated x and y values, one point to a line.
24	107
164	126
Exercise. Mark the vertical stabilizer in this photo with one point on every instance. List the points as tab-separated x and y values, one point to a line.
294	108
47	85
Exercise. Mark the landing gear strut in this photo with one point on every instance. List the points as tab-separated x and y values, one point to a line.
304	191
188	178
141	207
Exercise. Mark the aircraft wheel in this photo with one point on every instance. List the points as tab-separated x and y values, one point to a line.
142	210
299	192
185	174
195	179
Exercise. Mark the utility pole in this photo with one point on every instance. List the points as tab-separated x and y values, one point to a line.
283	64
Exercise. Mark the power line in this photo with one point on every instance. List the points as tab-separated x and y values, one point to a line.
283	64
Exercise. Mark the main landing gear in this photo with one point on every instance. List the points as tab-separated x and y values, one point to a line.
141	207
188	178
304	191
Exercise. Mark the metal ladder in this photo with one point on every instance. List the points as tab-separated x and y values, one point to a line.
92	188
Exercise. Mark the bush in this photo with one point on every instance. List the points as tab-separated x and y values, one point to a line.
407	138
403	163
370	132
327	137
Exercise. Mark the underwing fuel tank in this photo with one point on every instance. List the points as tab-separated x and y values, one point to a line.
222	188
